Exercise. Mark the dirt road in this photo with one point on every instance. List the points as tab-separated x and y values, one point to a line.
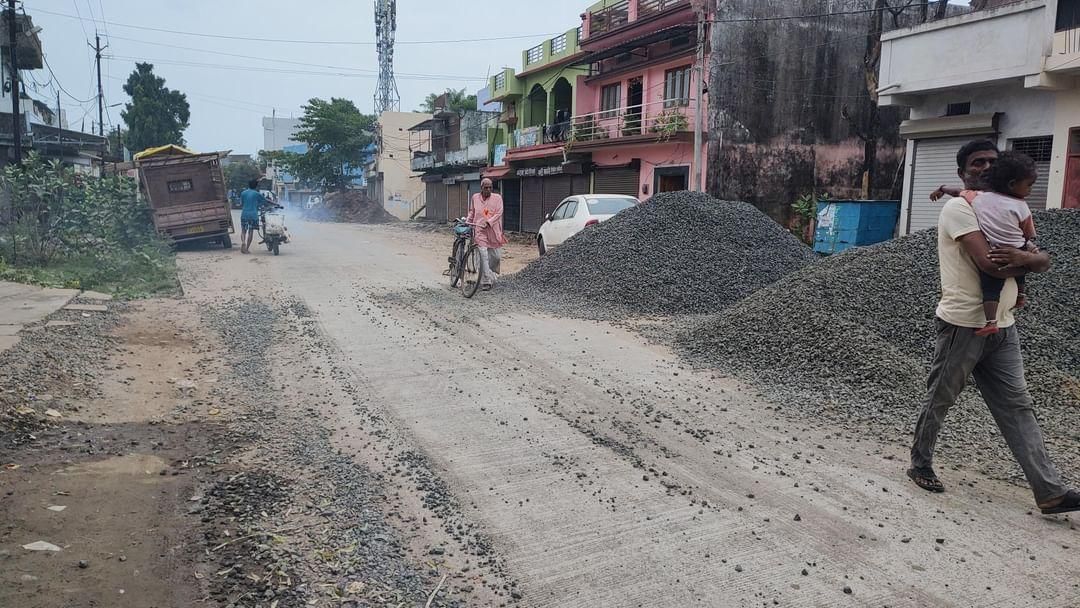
333	425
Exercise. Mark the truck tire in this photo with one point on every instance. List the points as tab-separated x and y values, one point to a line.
276	249
226	242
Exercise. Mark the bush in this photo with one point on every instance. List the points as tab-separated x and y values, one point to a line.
62	229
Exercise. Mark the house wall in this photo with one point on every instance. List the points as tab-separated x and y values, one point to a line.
652	82
788	107
400	184
652	157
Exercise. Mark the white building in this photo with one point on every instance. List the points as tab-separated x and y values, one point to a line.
279	132
391	180
1010	73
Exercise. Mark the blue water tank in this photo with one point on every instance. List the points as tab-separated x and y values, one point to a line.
842	225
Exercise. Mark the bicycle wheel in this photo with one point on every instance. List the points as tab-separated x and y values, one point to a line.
470	277
457	263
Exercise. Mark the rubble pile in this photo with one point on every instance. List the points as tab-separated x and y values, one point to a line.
677	253
351	206
852	337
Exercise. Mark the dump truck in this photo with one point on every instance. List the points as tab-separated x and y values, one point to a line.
186	193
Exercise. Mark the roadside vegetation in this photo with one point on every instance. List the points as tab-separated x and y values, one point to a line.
62	229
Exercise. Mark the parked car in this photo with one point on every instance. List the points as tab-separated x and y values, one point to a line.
578	212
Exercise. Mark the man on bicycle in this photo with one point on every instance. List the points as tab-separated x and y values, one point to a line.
486	214
251	200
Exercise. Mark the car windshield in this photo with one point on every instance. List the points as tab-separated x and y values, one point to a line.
609	206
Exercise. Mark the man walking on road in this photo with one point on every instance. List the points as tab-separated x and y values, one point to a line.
486	212
994	360
250	201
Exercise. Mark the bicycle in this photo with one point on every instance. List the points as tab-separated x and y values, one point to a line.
465	262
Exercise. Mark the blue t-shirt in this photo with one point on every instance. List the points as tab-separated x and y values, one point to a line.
250	199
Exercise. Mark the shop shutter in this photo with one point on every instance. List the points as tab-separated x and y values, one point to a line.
934	165
617	180
532	203
556	189
430	200
456	194
579	184
440	202
511	193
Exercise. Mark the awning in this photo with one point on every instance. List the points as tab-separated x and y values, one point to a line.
498	172
666	33
950	126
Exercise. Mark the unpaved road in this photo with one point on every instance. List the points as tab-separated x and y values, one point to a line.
404	433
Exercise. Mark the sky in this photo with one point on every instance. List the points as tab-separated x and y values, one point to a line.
229	95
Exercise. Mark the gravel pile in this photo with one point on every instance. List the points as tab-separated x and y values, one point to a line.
852	336
351	206
677	253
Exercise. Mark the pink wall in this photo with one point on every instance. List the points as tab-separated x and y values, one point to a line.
652	156
652	81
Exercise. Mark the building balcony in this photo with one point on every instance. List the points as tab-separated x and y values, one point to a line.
1065	56
608	24
959	52
475	155
505	86
560	49
659	122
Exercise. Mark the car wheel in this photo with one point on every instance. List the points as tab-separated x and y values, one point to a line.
540	245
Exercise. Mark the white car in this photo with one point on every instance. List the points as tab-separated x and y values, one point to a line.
578	212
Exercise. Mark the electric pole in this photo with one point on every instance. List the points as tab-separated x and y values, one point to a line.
100	95
16	127
696	181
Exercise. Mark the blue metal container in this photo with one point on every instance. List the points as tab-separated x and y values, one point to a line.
842	225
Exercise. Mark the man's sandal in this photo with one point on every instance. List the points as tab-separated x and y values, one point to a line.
926	479
1069	503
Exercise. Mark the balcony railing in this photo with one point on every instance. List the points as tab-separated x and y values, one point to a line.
658	121
558	44
500	81
651	7
534	55
609	18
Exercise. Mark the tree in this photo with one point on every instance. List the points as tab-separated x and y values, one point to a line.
156	115
238	174
336	133
456	101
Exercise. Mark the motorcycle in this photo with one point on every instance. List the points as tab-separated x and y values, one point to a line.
272	228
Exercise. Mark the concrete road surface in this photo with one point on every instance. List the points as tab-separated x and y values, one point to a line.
24	304
607	474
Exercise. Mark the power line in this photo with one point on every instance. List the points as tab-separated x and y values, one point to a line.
283	40
270	70
57	81
284	61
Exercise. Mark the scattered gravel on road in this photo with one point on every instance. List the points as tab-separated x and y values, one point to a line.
851	339
679	252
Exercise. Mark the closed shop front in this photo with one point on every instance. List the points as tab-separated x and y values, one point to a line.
511	193
438	196
556	189
616	180
934	164
532	203
457	194
579	184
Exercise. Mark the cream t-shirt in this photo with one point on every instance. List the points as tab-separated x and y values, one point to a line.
961	294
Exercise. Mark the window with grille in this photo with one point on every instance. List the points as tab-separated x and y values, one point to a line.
558	44
611	99
677	87
500	81
958	109
1068	15
1040	149
534	54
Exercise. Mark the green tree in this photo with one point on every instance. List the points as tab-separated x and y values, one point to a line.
238	174
336	133
156	115
456	101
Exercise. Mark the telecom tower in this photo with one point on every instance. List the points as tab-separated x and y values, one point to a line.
387	98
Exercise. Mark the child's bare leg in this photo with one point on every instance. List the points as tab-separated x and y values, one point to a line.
990	309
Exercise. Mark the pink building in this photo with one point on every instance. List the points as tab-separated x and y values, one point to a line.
629	125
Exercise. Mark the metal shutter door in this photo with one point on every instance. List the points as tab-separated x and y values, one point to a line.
532	202
430	200
511	193
556	189
456	195
934	165
440	202
579	184
618	180
1040	189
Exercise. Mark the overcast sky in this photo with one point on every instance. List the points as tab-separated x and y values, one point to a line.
229	94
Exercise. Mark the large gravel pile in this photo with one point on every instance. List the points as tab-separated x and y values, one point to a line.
677	253
352	206
852	337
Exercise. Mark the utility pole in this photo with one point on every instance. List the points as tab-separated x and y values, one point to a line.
696	182
59	121
100	95
16	126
